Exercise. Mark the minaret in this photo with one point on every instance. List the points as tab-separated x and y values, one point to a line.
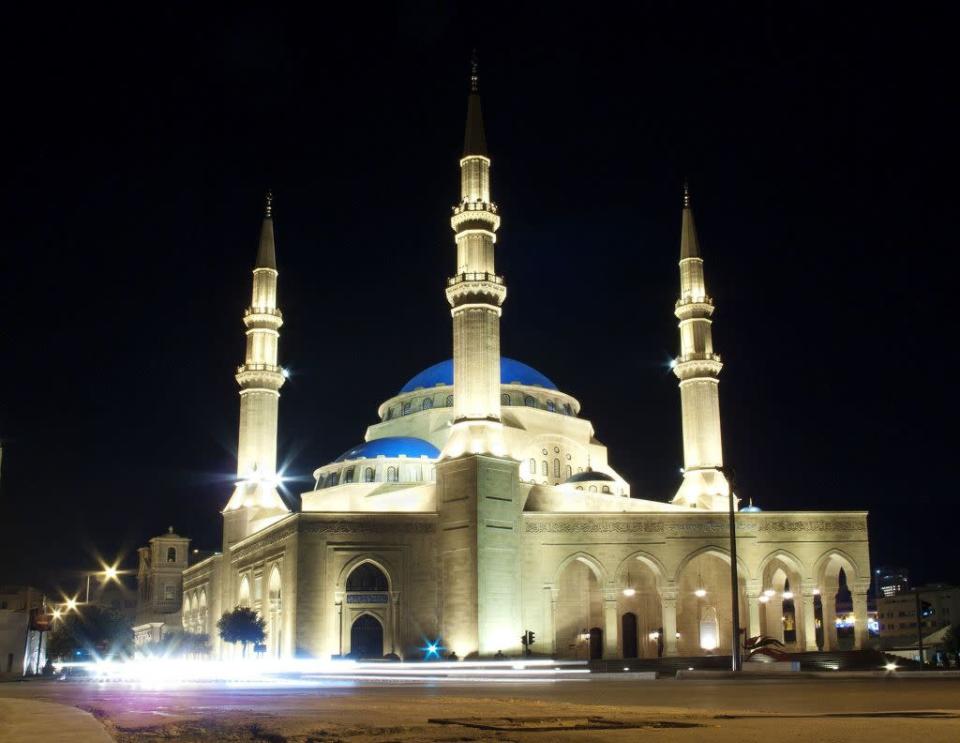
255	501
475	294
698	369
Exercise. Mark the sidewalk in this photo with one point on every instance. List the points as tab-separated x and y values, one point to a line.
26	721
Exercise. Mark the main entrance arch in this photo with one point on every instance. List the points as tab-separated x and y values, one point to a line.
366	637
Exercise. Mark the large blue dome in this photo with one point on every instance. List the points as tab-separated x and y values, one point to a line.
391	446
511	372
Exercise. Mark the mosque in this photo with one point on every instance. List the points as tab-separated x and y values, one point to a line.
481	506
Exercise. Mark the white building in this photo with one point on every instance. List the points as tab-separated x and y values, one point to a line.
481	505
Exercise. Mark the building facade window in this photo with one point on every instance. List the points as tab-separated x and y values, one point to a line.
368	474
556	468
544	468
529	401
605	489
568	473
172	554
551	406
567	410
533	467
393	475
449	401
427	403
348	475
406	408
504	398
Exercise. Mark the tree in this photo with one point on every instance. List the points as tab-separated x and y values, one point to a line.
242	625
91	632
951	643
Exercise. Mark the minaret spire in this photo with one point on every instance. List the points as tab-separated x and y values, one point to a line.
255	502
698	369
475	293
474	140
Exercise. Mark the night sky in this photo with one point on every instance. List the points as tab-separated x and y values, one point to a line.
139	147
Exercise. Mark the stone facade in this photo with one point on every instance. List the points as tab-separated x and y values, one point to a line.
481	505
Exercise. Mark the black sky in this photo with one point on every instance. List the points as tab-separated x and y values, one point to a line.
817	140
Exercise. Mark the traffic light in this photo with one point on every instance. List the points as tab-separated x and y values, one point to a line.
531	637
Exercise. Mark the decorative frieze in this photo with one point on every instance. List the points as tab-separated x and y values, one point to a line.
687	526
368	527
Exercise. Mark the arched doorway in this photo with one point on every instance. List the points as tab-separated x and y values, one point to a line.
629	633
704	605
366	637
596	643
579	606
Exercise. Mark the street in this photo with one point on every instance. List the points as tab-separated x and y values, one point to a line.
589	710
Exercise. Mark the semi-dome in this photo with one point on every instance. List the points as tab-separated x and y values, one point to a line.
391	446
511	372
590	476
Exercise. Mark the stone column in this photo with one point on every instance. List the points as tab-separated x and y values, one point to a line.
753	607
860	634
828	599
550	618
668	602
807	591
610	621
394	613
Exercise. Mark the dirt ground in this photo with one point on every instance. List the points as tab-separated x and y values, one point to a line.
406	714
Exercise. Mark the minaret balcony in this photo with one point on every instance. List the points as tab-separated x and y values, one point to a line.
267	376
476	287
263	317
697	366
475	215
687	307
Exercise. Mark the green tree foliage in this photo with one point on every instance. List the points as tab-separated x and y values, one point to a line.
91	631
242	625
951	643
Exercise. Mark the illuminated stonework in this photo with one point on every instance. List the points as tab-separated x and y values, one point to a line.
481	505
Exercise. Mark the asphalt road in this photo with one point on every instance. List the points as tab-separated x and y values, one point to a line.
842	709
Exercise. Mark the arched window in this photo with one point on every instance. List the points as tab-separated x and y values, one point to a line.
533	467
333	478
568	472
544	468
393	474
427	403
389	414
449	401
605	489
504	398
556	468
593	488
368	474
551	406
348	475
406	407
567	410
172	554
579	487
529	401
367	577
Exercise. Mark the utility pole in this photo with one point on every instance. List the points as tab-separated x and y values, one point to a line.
916	593
736	664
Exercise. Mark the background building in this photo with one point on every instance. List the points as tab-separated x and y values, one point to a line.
897	615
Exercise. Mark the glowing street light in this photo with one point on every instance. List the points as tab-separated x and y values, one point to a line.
56	614
71	604
700	593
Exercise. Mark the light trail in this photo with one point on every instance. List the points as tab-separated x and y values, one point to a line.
167	673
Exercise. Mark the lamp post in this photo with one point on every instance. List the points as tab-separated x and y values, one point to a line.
736	662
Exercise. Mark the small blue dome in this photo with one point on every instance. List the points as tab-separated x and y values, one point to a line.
750	509
391	446
511	372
